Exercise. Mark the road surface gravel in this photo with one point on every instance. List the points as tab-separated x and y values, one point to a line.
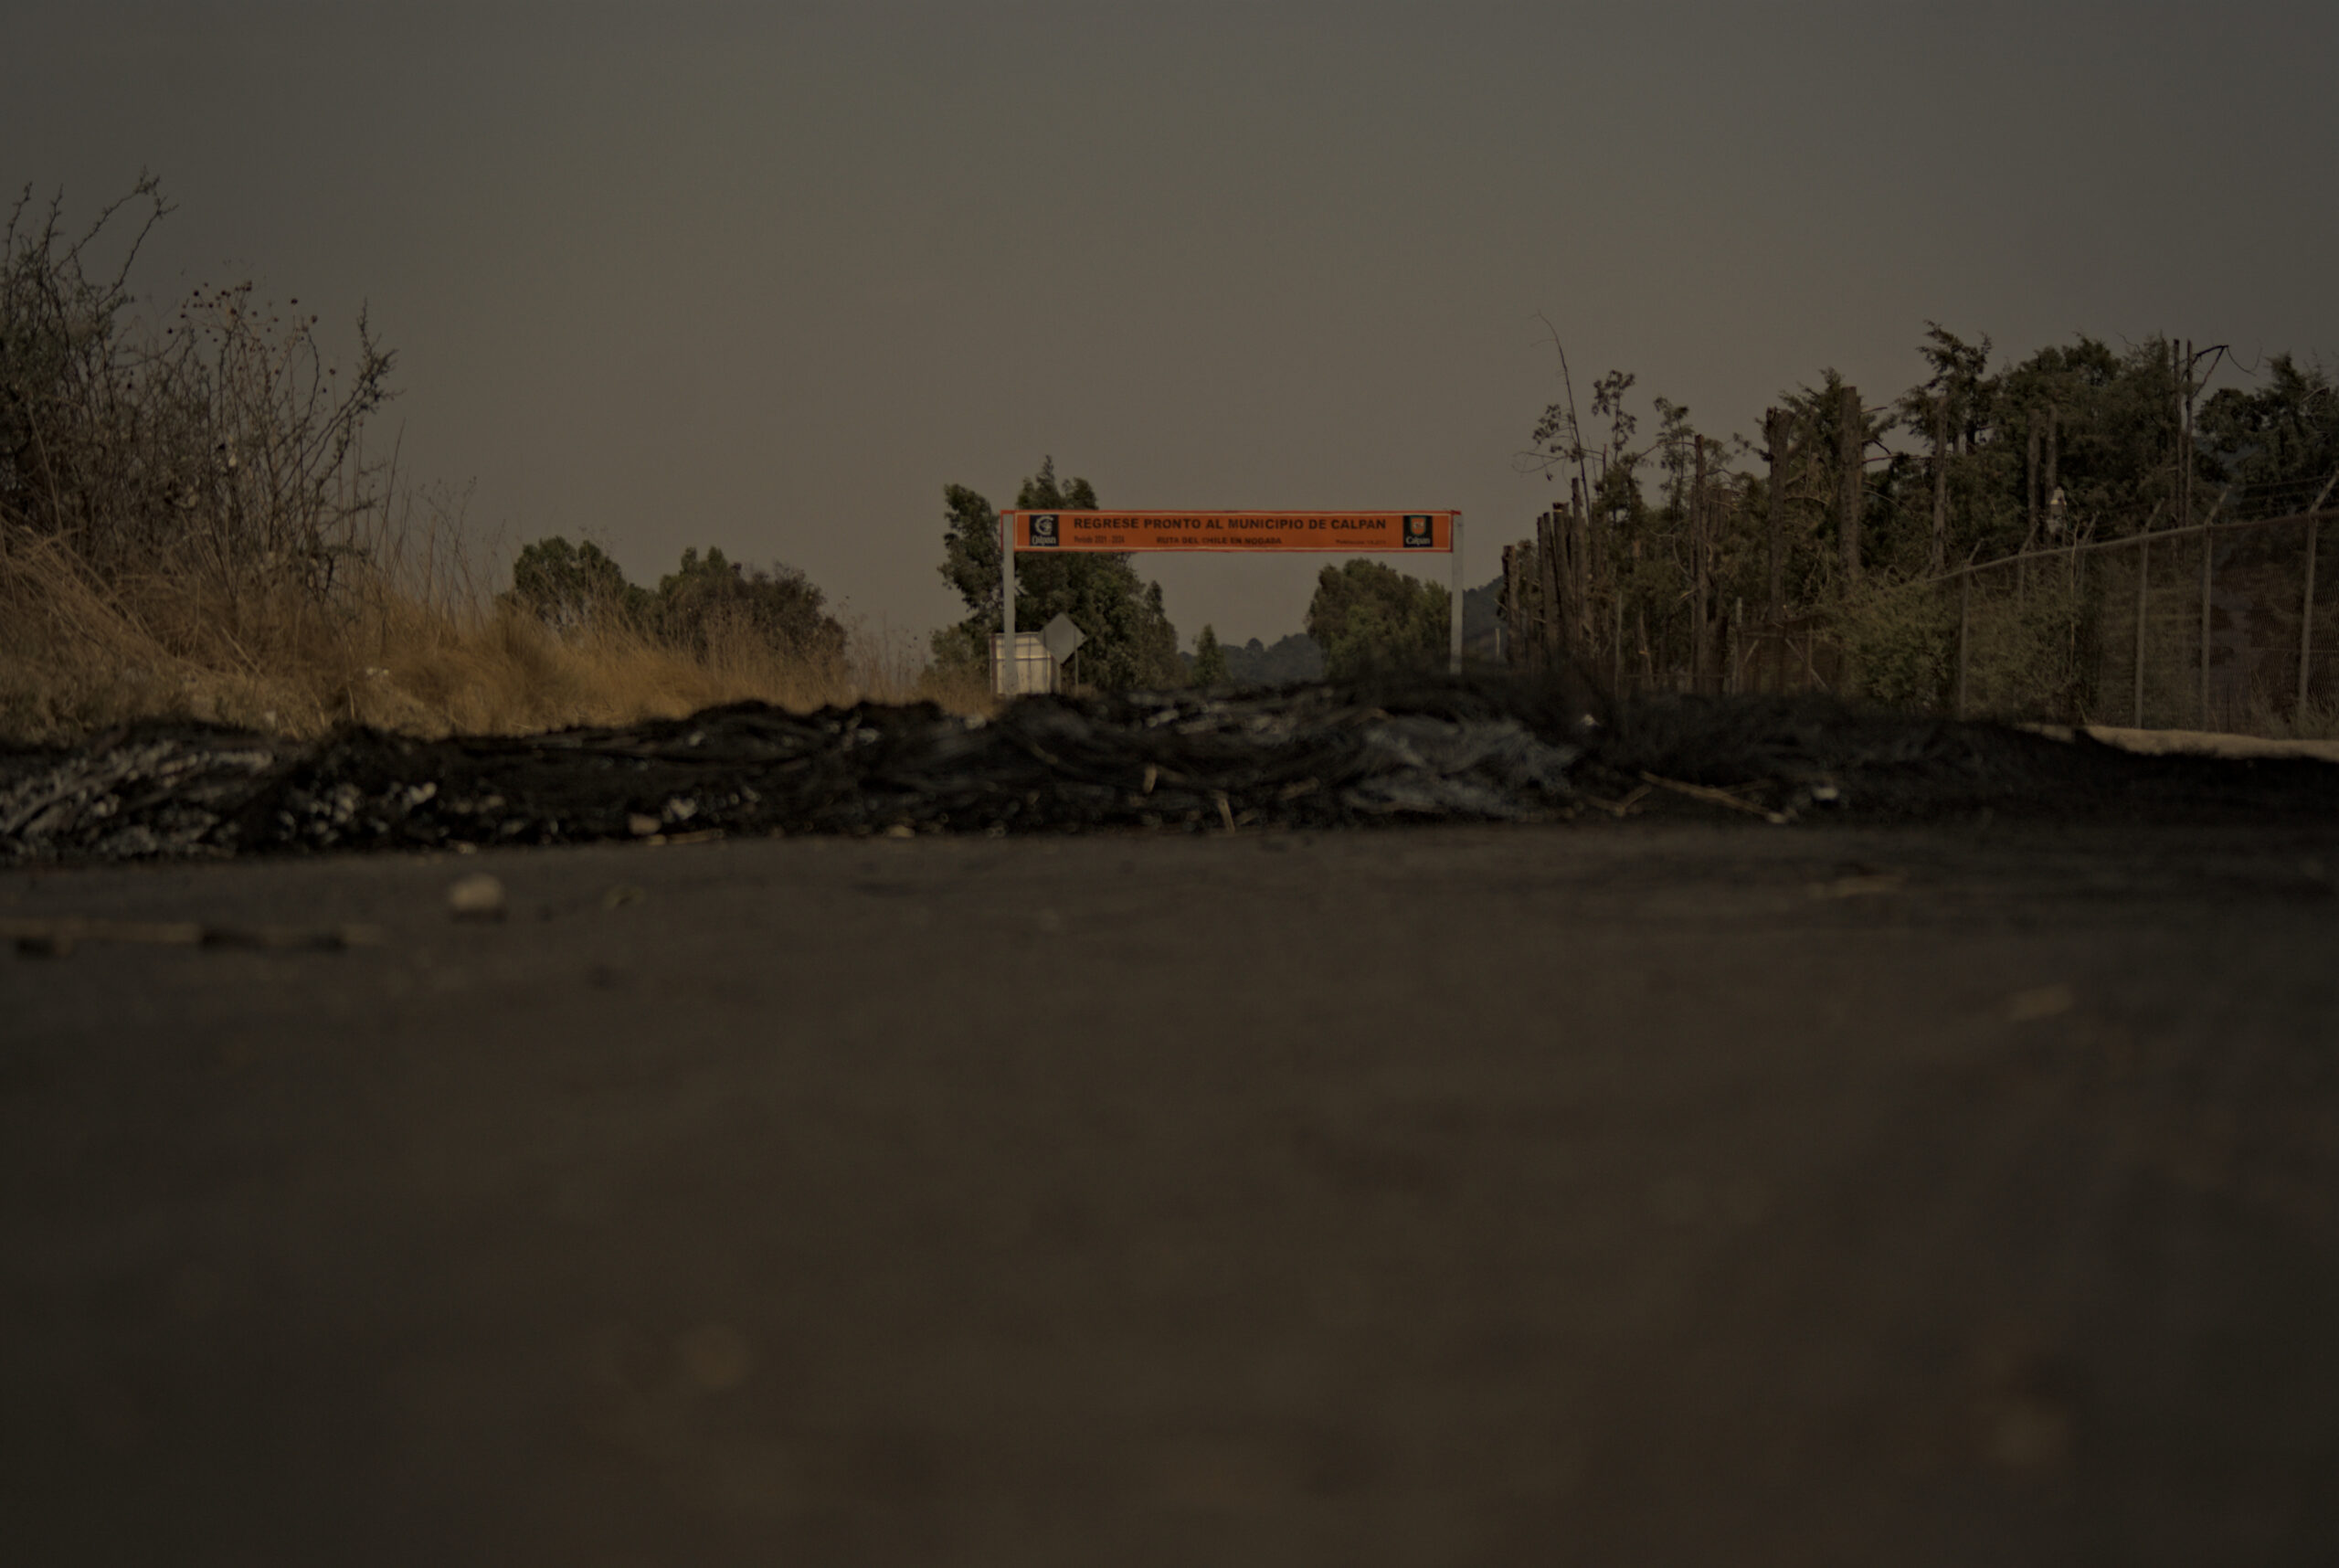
1607	1193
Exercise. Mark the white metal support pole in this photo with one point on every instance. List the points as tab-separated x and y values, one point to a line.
1011	675
1454	638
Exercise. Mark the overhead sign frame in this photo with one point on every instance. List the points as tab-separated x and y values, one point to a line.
1059	531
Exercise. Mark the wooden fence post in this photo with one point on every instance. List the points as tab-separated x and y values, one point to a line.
1509	620
2054	421
1699	640
1617	685
1964	632
1737	681
1580	552
2208	560
1775	435
1540	569
1851	451
2306	612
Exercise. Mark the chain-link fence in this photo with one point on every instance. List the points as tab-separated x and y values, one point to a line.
2222	626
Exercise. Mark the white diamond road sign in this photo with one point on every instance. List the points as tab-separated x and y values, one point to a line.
1059	637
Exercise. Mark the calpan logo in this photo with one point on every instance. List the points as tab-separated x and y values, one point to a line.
1043	530
1417	533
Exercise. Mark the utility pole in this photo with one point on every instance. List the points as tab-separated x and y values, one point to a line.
2031	471
1547	561
2054	442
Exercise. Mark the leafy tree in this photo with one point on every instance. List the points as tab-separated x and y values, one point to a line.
1209	660
1370	617
1960	377
780	606
1130	639
567	586
2281	440
2114	418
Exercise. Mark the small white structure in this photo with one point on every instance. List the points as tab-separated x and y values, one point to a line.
1035	667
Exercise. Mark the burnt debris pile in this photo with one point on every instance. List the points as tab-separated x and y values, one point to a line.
1318	756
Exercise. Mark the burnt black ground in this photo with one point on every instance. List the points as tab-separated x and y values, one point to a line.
1636	1193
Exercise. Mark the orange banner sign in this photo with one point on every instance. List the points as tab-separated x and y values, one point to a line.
1431	533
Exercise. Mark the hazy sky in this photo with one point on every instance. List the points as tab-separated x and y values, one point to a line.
768	277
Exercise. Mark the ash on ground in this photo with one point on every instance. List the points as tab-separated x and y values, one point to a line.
1321	756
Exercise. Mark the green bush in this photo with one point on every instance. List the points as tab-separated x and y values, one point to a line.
1900	644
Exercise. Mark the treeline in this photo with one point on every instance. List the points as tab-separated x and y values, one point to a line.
572	588
1668	545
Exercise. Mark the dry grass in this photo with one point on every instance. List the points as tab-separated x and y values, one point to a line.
79	656
192	525
2281	719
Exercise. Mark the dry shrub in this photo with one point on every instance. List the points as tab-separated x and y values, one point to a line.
1900	645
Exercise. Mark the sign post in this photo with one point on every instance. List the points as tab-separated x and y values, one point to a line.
1454	632
1011	673
1338	533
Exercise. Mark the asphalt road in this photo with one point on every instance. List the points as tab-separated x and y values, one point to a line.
1634	1193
